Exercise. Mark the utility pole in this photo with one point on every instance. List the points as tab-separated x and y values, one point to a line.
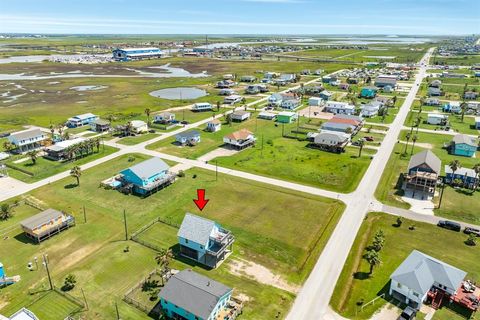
216	170
125	223
262	147
116	309
45	263
84	214
84	298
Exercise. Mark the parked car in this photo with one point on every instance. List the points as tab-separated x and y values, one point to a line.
408	313
449	225
369	138
474	231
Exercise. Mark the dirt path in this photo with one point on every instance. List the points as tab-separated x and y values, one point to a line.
261	274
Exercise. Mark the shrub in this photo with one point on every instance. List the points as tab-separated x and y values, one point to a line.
181	174
69	283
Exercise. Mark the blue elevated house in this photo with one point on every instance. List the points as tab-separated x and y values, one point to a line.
463	145
468	177
146	177
81	120
191	296
204	240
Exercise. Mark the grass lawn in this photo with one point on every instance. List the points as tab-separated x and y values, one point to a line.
45	168
291	159
129	141
283	158
459	204
389	189
355	285
53	305
467	126
94	251
461	60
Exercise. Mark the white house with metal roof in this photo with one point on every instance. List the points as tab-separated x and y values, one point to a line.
418	274
27	139
81	120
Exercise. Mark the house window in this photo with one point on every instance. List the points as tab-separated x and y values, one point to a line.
201	247
399	285
186	240
416	294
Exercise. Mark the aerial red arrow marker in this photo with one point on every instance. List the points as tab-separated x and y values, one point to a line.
201	202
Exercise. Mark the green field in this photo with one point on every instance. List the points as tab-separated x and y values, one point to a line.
45	168
354	284
460	60
105	280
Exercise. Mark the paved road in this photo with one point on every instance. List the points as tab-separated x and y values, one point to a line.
313	300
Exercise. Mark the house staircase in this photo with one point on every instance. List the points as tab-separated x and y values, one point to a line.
437	300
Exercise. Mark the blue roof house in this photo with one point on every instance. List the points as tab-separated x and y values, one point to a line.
192	296
204	240
146	177
477	122
368	92
463	145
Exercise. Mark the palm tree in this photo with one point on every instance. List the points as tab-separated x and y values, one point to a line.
5	211
147	112
476	168
418	122
8	146
407	137
76	172
163	260
52	131
454	166
414	139
361	143
463	106
372	258
378	240
33	154
128	128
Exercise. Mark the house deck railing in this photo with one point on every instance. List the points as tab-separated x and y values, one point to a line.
222	246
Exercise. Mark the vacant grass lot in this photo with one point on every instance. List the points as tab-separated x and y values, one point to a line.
94	251
354	285
292	160
129	141
455	121
459	60
45	168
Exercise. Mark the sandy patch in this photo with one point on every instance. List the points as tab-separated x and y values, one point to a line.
219	152
77	256
261	274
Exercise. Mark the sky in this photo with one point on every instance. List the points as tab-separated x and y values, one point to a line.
401	17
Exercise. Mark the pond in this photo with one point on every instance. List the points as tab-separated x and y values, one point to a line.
180	93
88	88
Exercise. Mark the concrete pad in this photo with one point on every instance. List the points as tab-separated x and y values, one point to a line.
420	204
220	152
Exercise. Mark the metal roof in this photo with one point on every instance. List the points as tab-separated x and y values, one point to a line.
196	229
62	145
427	157
420	271
84	116
194	293
188	134
23	314
27	134
461	171
41	218
149	168
463	138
